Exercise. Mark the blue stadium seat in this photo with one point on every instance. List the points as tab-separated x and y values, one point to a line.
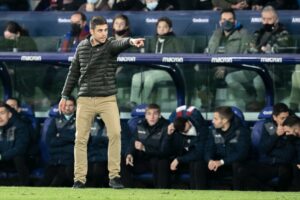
137	114
240	115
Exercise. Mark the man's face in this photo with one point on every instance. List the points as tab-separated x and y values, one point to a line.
292	130
163	28
152	116
5	115
13	103
218	121
119	24
268	17
69	108
10	36
76	19
187	127
279	119
227	16
100	33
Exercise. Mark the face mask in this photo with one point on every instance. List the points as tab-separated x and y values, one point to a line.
121	32
227	25
68	117
75	29
269	27
152	5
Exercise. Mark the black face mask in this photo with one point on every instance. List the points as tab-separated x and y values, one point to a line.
268	27
121	32
227	26
75	29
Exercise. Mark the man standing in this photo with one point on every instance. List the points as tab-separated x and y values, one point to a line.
94	69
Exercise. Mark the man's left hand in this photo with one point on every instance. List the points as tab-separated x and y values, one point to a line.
137	42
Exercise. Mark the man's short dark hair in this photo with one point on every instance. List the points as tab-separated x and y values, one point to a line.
72	98
179	123
6	106
165	19
291	120
153	106
228	10
82	15
280	108
97	20
14	99
225	112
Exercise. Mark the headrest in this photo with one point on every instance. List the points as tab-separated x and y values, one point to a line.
26	110
266	113
139	110
54	112
238	113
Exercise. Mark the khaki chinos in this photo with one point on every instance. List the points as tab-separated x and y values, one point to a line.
87	108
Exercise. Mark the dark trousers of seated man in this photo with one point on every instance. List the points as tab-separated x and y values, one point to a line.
58	175
295	186
97	175
223	173
259	176
18	164
159	167
197	175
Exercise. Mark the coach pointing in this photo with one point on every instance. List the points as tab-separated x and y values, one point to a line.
93	69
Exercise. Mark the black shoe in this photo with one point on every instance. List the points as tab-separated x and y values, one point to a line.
116	183
78	185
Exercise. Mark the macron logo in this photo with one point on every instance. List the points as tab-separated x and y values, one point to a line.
172	59
126	59
31	58
271	60
221	60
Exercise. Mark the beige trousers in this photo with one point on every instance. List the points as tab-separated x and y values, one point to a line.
87	108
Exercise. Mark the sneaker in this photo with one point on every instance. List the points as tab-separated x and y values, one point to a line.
116	183
78	185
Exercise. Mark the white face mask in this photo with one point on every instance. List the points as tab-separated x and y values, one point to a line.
68	117
152	5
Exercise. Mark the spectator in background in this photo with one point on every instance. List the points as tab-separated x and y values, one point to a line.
63	5
232	4
14	5
97	175
16	39
14	141
163	42
60	137
79	31
185	144
155	5
130	5
230	38
228	146
271	38
145	152
120	26
195	5
96	5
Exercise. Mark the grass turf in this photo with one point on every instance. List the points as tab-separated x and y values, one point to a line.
35	193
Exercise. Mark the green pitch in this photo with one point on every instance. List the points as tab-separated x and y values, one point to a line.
30	193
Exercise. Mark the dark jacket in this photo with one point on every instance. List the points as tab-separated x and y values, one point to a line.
187	148
60	140
22	44
98	142
278	38
150	136
275	149
232	145
14	139
169	44
94	68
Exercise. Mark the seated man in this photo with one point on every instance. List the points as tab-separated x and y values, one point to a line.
60	139
276	154
228	145
291	126
185	144
145	151
14	141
